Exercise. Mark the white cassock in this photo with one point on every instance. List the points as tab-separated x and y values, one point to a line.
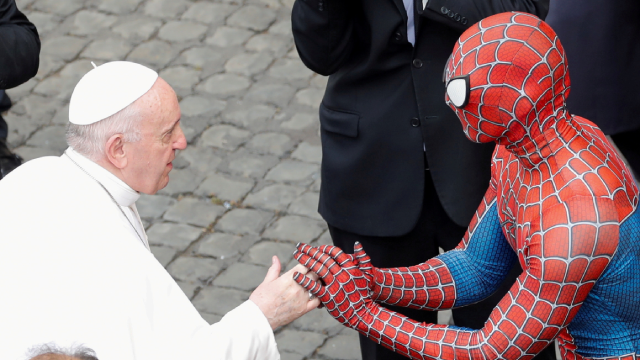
75	269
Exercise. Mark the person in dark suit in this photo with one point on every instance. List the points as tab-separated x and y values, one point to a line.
19	61
602	42
398	174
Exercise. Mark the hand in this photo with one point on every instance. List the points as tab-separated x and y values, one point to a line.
346	293
359	258
281	299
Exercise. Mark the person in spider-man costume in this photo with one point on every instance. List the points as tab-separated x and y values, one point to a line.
560	202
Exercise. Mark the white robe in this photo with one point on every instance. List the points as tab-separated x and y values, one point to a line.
73	271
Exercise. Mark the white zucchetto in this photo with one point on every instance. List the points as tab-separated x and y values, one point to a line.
107	89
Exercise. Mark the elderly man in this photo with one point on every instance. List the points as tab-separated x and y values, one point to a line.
75	258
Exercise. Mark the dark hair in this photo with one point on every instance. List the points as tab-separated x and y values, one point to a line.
79	352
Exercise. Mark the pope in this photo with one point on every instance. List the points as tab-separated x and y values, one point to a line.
74	254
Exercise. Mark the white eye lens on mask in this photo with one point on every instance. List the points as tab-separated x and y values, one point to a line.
458	90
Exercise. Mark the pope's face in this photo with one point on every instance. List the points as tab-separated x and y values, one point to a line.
149	160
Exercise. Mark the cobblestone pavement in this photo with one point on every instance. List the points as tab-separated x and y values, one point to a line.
247	185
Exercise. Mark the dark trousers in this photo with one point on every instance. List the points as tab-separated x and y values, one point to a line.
629	144
434	228
5	104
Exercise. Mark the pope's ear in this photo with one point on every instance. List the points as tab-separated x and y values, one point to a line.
114	151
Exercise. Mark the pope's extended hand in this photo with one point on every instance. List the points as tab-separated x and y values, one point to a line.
346	293
281	299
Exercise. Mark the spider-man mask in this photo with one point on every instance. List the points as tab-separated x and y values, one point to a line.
507	78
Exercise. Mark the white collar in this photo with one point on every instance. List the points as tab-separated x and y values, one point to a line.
122	193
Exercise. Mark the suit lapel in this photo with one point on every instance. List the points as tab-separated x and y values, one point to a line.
401	9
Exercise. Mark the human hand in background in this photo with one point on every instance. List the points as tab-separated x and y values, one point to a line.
280	298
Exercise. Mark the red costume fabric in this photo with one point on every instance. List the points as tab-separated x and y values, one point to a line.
560	202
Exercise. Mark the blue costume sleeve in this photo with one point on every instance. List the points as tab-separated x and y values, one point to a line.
478	270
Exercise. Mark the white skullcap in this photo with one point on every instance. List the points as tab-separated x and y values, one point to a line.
107	89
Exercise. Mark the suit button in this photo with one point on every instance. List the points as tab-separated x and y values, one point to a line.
417	63
444	10
415	122
398	36
463	21
457	17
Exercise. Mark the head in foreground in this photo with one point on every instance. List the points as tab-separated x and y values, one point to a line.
125	118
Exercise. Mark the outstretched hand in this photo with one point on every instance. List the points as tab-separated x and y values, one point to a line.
281	299
346	293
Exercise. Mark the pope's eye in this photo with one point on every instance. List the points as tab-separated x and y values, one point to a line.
458	91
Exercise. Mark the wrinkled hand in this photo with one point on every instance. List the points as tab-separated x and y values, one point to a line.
281	299
346	293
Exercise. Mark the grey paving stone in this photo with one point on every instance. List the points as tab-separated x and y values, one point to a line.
194	269
244	221
277	94
63	8
108	49
62	86
199	105
228	36
301	342
38	109
295	228
195	212
182	181
163	254
291	171
181	77
19	130
177	236
88	22
165	8
44	22
224	187
320	321
153	206
293	54
290	69
343	346
310	96
216	300
252	17
300	121
262	252
250	165
154	53
23	4
23	90
291	356
138	28
226	137
188	288
63	47
181	31
324	239
30	153
271	143
205	58
225	84
308	153
276	45
252	117
241	276
225	246
306	205
209	13
274	197
319	81
50	137
202	160
282	27
248	64
211	318
119	6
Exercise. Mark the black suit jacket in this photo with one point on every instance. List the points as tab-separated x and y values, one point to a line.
602	42
384	110
19	46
